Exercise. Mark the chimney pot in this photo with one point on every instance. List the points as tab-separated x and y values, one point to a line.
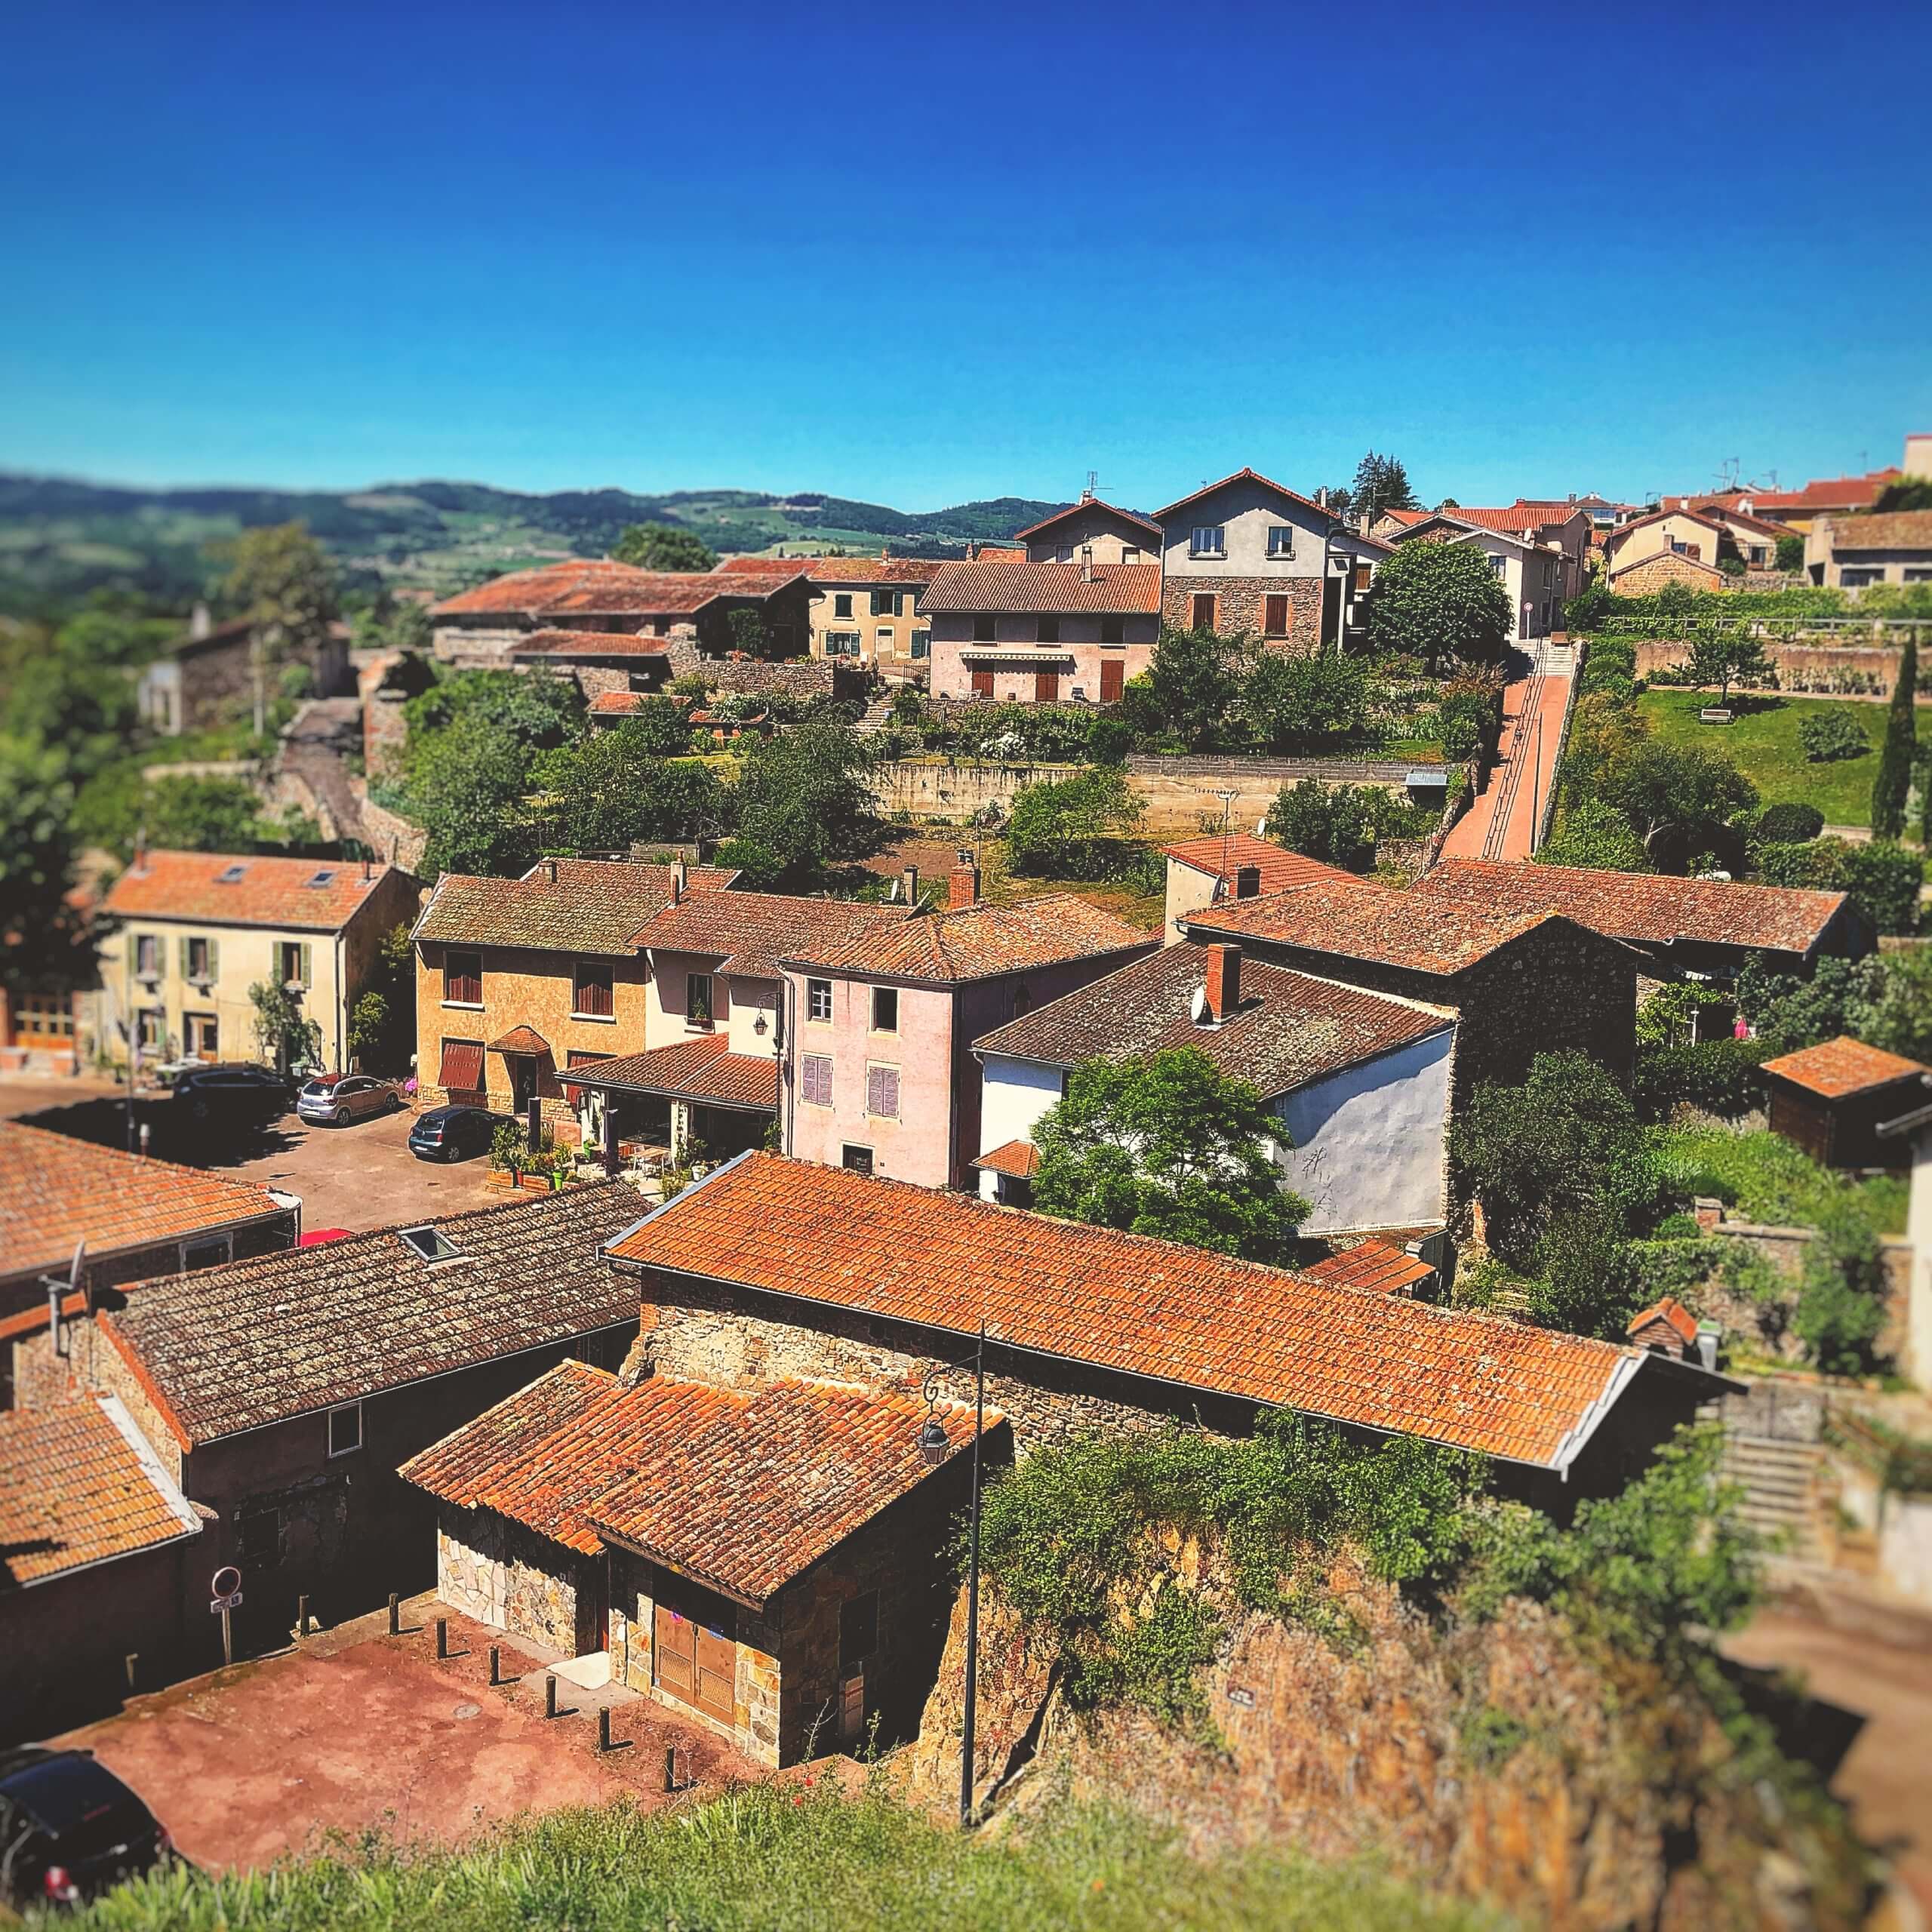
1321	497
1223	981
200	624
552	864
963	887
681	873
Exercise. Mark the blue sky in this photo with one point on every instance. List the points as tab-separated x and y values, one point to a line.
919	255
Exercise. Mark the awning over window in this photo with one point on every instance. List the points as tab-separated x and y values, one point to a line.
462	1069
1016	653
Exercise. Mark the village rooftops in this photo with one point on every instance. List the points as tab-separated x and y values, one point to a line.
56	1190
590	906
587	585
1643	908
1826	493
1087	503
1455	520
1226	856
977	942
741	1489
78	1486
258	1342
1514	518
1892	529
1287	1029
1835	1068
237	889
835	570
1182	1317
749	932
1010	589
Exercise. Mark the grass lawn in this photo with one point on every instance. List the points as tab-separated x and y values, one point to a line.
1762	742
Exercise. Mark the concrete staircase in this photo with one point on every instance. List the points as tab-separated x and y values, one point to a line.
877	714
1779	1480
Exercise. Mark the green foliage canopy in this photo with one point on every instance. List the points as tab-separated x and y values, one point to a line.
1073	828
1440	601
662	546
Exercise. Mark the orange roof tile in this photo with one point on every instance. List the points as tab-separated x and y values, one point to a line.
78	1486
750	931
560	644
978	942
1224	857
600	586
1670	1311
590	906
1836	1067
230	889
1019	1158
910	571
1127	1303
704	1068
55	1191
1895	530
1827	493
742	1489
1131	589
1517	518
1379	1266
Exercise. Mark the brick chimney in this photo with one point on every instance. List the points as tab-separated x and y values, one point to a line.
1223	981
681	876
962	887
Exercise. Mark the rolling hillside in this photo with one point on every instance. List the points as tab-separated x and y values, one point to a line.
60	539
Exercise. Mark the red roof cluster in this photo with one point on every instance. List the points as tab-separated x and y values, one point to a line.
239	889
704	1068
599	586
1225	855
1827	492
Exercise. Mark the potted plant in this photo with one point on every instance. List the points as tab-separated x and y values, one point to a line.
507	1154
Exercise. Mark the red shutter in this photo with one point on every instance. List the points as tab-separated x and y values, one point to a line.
1113	680
982	684
1203	617
1046	686
461	1069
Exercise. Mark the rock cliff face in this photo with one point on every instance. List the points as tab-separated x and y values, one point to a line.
1496	1763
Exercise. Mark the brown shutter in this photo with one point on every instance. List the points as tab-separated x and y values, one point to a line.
1046	686
461	1069
1113	677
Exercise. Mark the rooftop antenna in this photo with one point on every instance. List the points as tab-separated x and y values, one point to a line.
1092	486
1227	799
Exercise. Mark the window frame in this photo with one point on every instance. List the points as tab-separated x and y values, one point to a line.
344	1409
608	991
922	644
708	1001
866	1165
1270	601
1113	630
815	1073
841	604
1278	549
1208	539
147	956
985	627
844	644
814	988
454	981
1046	628
884	1070
886	998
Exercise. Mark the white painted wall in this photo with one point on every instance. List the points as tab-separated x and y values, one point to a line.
1917	1362
1368	1141
1013	1094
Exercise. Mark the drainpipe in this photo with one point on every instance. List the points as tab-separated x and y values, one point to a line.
341	1006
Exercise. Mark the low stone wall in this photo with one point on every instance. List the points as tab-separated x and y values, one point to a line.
392	836
1842	670
497	1572
954	794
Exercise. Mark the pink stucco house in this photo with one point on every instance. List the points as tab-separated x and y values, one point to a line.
879	1072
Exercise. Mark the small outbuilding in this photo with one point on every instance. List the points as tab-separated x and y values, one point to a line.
1829	1099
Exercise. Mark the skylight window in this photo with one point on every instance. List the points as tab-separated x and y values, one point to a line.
431	1243
321	877
232	876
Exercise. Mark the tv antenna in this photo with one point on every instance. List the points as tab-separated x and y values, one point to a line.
1093	485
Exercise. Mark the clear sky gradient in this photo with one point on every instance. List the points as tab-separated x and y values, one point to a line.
918	255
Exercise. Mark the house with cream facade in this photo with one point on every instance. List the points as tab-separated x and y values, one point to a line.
1532	575
1852	552
864	611
1091	529
189	935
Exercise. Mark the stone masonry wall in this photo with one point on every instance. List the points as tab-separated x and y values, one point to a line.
1866	670
1239	607
500	1573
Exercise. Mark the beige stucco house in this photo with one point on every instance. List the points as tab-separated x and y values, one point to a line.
1850	552
864	609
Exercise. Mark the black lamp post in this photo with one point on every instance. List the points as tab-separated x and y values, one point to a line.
933	1443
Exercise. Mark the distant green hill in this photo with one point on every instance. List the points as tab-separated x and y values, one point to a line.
60	539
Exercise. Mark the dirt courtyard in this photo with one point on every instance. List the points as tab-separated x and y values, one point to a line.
354	1729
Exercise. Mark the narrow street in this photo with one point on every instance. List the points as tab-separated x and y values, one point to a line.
1502	819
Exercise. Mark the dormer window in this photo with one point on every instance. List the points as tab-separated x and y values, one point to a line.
231	876
430	1244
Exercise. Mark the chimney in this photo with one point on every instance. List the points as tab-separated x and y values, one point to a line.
200	624
140	864
910	884
962	887
1086	563
1363	526
1223	981
1321	497
681	876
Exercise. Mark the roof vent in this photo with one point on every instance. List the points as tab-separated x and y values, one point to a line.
431	1243
321	879
232	876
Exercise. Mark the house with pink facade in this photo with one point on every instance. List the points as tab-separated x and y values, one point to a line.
1041	633
879	1071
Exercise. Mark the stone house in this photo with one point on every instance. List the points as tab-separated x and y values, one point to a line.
1027	633
1245	556
771	1268
771	1563
1360	1081
1565	527
188	933
1231	864
1852	552
280	1393
208	677
100	1554
864	611
1832	1099
1092	529
1532	573
1691	542
880	1076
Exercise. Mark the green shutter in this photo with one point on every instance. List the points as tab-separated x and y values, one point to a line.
183	943
214	959
308	964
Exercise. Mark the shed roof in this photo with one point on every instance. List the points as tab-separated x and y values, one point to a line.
704	1069
1225	855
1379	1266
1836	1069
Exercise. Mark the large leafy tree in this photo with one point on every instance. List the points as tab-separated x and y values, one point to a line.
1072	828
1596	835
1893	783
803	806
1290	701
614	788
662	546
1679	799
1337	825
1438	601
467	789
38	935
1191	685
1170	1145
1724	658
281	578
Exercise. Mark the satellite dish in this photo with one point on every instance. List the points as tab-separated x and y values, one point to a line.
1198	1006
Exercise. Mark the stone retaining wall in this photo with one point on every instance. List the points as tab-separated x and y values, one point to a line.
1854	670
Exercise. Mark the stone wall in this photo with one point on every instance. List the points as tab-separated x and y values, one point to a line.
954	794
497	1572
1844	670
1239	607
384	732
388	833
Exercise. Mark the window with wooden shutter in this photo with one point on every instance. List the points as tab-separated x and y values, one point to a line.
461	1068
1113	680
1202	618
1275	616
982	684
462	978
882	1092
815	1080
596	988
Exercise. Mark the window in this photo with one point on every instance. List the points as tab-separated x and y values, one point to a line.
202	1035
1913	574
1273	616
1281	539
842	644
462	978
1113	681
1113	630
1247	882
1201	615
856	1160
1047	630
258	1538
1023	1001
984	630
885	1009
594	984
320	880
815	1079
346	1429
882	1092
1501	566
818	999
858	1629
296	958
698	998
232	875
150	1028
147	957
882	605
982	684
922	644
205	1254
431	1243
882	638
200	961
1208	539
1855	577
842	603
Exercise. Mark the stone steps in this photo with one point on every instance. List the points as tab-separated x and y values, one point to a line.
1778	1480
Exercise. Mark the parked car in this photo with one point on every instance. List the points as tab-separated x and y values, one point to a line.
339	1098
238	1089
452	1134
69	1828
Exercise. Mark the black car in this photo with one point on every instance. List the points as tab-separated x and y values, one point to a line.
238	1091
69	1828
452	1134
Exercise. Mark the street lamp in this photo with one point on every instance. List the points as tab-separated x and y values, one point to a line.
933	1445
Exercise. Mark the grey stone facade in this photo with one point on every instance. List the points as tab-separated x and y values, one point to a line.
498	1573
1240	606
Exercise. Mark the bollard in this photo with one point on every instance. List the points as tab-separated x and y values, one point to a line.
442	1638
496	1664
301	1616
132	1660
549	1694
670	1767
396	1614
603	1728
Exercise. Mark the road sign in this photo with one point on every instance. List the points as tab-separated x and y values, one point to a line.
226	1582
231	1601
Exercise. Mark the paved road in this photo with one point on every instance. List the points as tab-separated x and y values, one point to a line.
1501	823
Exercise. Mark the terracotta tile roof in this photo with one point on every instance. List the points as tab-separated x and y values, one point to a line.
78	1486
742	1489
1613	539
905	570
591	644
617	704
1836	1067
1827	493
1410	518
702	1069
592	905
1146	523
1278	869
598	585
1244	475
1896	530
978	942
1126	1302
521	1040
257	1342
528	592
1379	1266
1019	1159
282	893
1646	907
55	1191
751	931
1289	1029
1672	1312
1131	589
1351	918
1518	517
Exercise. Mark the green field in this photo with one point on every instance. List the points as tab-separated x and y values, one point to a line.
1762	742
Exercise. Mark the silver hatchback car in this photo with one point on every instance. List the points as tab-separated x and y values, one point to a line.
338	1099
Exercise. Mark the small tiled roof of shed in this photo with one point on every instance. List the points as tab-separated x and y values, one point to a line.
704	1069
1835	1069
1379	1266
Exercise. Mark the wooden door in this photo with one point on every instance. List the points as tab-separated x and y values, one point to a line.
1046	686
982	684
1113	680
674	1644
697	1658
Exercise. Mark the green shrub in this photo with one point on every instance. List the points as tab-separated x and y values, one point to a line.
1789	824
1073	827
1109	740
1721	1076
1828	735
